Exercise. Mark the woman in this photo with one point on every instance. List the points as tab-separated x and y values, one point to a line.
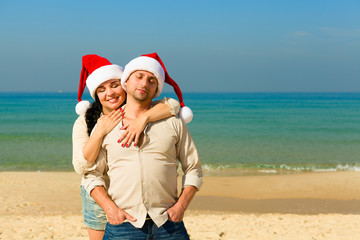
103	81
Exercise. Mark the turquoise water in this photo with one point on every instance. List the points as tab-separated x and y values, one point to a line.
279	131
261	132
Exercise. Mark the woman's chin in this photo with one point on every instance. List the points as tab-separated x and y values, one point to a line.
114	105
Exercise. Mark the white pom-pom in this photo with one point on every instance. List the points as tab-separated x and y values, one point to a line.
186	114
82	106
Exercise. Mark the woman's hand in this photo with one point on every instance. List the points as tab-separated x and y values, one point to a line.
133	130
106	123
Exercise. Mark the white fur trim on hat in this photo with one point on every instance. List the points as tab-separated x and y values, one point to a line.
102	74
82	107
186	114
146	64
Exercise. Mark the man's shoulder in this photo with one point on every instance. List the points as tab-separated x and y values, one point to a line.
173	121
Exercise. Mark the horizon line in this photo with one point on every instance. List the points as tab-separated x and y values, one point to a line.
171	92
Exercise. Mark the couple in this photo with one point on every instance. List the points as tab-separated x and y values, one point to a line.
135	185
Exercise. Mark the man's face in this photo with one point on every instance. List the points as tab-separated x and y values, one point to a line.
142	85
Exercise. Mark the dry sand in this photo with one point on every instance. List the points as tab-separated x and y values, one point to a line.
47	205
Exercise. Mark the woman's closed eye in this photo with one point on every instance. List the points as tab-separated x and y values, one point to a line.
100	89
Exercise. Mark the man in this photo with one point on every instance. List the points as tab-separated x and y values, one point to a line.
142	200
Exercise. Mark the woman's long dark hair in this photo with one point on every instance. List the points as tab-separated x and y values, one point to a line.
93	114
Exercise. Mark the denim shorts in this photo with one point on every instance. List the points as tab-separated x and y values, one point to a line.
94	216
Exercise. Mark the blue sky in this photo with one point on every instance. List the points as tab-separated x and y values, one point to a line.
207	46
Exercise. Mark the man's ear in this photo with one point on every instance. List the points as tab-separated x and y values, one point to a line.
157	85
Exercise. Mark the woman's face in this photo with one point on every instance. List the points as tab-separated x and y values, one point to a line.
111	95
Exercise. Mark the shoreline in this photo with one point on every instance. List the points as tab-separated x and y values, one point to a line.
222	171
238	169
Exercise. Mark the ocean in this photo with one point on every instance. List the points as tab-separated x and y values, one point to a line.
235	133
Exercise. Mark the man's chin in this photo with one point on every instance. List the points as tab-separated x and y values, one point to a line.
142	97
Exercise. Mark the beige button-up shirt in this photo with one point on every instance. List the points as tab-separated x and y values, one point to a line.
143	179
80	137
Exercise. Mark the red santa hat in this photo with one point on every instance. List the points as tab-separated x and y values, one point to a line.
152	63
95	71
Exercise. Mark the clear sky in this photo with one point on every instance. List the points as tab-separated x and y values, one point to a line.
206	46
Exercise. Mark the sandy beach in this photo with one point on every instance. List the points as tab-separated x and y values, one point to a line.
47	205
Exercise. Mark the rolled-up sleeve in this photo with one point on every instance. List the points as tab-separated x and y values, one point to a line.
189	158
79	139
172	103
98	176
